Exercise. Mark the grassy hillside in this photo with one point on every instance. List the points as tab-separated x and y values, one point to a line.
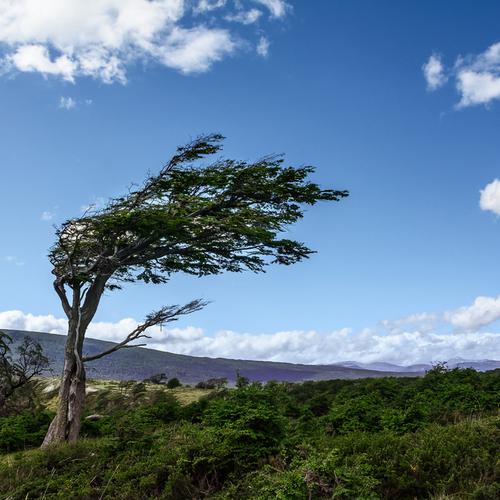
139	363
436	436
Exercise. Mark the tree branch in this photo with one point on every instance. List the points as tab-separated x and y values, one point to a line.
61	292
166	314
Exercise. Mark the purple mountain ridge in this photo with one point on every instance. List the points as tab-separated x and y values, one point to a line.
140	363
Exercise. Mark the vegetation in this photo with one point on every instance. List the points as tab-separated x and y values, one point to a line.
173	383
194	218
16	374
436	436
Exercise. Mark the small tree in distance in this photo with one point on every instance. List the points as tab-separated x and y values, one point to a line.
29	362
191	218
173	383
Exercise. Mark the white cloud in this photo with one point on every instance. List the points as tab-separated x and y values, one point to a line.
195	50
477	87
209	5
101	38
401	346
263	47
484	311
434	72
477	77
277	8
31	58
245	17
17	320
490	197
67	103
423	322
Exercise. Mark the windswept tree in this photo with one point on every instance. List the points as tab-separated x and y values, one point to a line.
18	370
192	217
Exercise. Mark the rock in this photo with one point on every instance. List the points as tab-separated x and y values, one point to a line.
94	418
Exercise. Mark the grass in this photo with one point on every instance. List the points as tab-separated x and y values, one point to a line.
110	389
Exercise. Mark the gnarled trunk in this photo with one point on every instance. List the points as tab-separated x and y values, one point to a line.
66	424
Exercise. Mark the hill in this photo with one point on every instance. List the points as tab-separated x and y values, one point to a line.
140	363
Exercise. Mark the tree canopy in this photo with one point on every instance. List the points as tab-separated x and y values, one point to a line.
194	218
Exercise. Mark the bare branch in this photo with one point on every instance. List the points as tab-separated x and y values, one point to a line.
166	314
61	292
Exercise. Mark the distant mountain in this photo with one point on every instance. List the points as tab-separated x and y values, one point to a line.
481	365
140	363
386	367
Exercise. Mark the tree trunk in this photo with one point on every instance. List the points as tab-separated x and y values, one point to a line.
66	424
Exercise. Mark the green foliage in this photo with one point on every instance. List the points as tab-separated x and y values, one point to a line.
192	217
173	383
241	381
24	430
17	372
212	383
432	437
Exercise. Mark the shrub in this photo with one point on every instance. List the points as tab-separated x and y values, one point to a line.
22	431
173	383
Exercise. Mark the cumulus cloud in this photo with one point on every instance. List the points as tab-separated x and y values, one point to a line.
434	72
195	50
484	311
477	77
30	58
101	38
489	198
401	346
17	320
477	87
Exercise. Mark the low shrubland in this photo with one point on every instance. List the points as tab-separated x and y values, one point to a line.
436	436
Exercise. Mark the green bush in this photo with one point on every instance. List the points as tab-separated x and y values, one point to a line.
436	436
22	431
173	383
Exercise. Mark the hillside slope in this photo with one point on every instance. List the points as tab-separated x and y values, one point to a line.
140	363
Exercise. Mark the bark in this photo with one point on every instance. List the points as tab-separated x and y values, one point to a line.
66	424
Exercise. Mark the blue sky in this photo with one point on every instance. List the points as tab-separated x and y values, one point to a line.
394	101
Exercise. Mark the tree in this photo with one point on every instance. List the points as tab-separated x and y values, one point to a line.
212	383
173	383
195	218
241	381
14	374
158	378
